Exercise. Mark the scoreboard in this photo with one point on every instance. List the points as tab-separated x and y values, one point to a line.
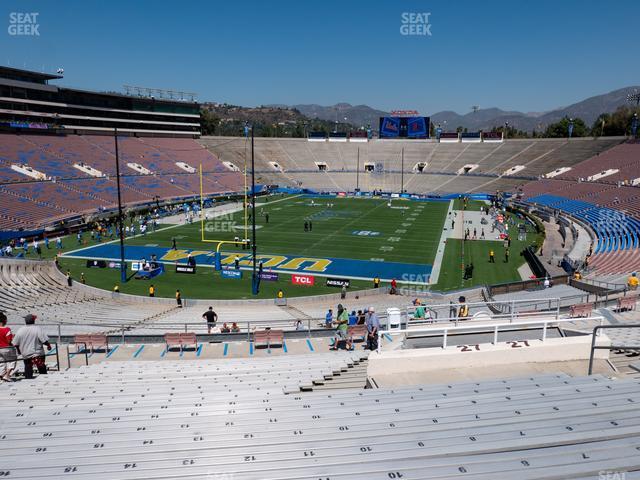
404	127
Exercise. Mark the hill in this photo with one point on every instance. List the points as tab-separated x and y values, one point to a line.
482	119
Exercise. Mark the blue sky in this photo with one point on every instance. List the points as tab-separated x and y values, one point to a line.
515	55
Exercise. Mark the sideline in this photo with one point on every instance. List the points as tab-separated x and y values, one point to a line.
446	233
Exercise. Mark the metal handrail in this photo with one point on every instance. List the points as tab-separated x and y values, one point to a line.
608	347
487	326
122	329
553	304
46	354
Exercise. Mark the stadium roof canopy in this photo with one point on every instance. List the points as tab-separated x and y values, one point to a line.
27	75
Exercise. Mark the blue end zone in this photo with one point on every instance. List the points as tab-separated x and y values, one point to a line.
324	267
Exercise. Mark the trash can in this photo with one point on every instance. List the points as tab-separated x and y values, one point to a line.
394	318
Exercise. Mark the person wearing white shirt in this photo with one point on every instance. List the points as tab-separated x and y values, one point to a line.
29	342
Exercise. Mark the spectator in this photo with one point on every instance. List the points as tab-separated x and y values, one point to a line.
116	288
235	328
179	298
376	282
211	317
463	308
373	326
547	282
394	287
69	279
7	350
343	292
632	282
353	318
328	318
453	311
225	328
361	317
419	311
280	293
28	342
342	322
299	325
152	290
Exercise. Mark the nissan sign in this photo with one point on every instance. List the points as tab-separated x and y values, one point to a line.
338	282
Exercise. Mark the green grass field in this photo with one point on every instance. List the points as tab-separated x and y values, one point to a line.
333	229
411	229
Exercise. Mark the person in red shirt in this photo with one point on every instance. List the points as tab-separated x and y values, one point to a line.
394	287
7	350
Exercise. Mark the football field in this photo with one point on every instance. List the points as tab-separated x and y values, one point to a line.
348	228
344	238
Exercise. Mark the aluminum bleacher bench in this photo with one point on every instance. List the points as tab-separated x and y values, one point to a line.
92	341
268	337
627	303
581	310
180	340
176	424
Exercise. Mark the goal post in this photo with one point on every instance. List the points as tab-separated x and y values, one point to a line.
220	242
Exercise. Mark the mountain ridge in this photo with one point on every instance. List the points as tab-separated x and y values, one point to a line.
483	119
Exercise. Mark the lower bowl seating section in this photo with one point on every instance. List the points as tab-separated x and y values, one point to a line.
617	249
37	287
234	419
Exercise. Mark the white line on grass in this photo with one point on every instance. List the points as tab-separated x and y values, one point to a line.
437	261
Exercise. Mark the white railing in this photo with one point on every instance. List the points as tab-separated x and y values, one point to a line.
485	327
510	308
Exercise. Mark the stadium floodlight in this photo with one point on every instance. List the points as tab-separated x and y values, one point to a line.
475	108
255	280
123	265
634	97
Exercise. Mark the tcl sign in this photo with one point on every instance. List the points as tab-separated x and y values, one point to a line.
305	280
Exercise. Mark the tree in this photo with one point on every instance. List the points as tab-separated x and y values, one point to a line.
209	123
561	129
617	123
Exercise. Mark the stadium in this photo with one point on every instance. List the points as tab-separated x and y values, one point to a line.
402	300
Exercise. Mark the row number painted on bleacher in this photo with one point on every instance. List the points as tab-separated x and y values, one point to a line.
468	348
